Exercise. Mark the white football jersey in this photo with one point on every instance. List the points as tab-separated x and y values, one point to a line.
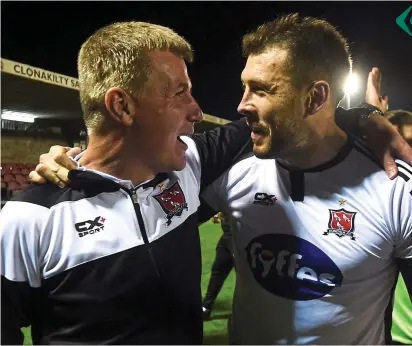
316	251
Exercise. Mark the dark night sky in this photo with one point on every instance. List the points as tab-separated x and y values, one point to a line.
49	34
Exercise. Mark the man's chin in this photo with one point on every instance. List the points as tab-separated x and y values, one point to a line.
180	164
261	152
172	165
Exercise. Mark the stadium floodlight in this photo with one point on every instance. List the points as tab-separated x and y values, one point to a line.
18	116
351	86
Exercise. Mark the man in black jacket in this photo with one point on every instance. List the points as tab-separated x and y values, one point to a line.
115	257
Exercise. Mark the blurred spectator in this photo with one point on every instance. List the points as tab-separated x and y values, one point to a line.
402	120
222	265
402	309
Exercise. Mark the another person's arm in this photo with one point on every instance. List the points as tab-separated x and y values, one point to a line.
220	148
385	146
373	94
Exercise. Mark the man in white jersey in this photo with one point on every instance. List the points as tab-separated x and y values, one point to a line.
319	231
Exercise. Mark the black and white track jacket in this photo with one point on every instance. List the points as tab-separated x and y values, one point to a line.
103	262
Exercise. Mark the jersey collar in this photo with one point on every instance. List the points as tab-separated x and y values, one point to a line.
125	183
342	154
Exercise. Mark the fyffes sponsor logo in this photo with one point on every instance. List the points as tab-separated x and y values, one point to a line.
291	267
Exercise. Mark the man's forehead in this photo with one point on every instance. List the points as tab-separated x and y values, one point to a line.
170	65
165	57
166	61
267	66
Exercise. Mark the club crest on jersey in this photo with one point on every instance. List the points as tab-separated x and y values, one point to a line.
341	222
173	201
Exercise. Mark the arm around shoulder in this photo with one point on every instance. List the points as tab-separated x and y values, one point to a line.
220	148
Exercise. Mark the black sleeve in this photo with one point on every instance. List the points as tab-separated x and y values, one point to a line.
405	267
206	212
16	298
220	148
350	120
370	107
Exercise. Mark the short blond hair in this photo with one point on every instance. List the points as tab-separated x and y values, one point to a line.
117	56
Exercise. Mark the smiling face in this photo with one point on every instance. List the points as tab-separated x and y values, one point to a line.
272	105
167	111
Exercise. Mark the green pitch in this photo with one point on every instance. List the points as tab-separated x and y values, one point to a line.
215	331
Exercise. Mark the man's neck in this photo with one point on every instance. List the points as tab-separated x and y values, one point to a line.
319	150
111	155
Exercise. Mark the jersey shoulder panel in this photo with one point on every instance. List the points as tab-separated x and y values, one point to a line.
47	195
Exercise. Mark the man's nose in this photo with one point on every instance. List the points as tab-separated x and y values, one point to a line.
245	106
195	114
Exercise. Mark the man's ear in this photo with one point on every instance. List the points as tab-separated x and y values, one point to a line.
318	94
120	106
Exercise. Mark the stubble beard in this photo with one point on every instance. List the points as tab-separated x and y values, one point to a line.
285	141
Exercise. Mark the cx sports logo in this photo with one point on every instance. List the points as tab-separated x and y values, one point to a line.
90	226
404	21
263	198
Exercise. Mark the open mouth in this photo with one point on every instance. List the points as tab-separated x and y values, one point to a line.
258	133
179	138
257	130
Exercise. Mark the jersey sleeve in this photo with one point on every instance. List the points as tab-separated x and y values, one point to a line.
211	153
401	221
350	120
218	195
20	223
211	200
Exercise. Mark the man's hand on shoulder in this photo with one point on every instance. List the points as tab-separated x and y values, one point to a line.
386	143
383	139
55	166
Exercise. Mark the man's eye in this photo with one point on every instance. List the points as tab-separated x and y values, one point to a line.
182	91
259	91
